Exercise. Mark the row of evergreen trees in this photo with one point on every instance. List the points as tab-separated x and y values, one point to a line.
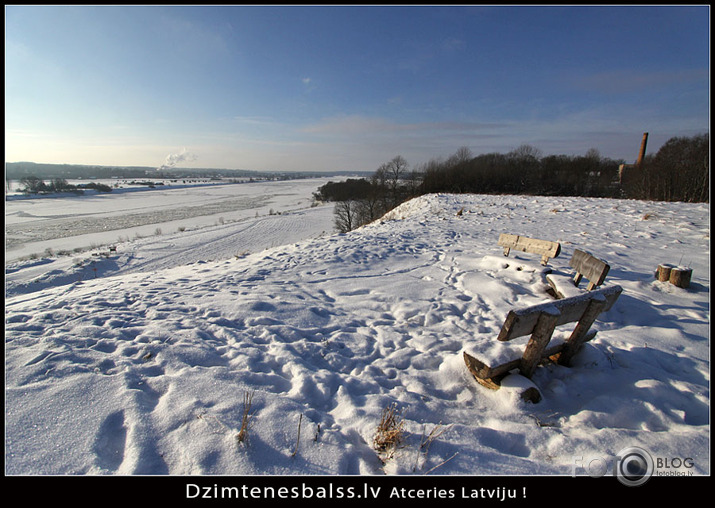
679	171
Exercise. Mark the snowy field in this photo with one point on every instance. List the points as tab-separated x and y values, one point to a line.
139	361
68	223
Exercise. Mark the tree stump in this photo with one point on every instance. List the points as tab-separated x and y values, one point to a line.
680	276
663	272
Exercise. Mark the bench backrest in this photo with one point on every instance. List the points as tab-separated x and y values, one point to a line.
590	267
533	245
519	323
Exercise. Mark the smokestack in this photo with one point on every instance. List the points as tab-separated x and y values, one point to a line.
641	154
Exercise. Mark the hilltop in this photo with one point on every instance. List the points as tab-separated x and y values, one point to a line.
147	372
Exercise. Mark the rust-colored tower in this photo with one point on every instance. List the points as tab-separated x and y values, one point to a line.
641	154
622	169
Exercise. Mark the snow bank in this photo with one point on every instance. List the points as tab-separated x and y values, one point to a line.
146	372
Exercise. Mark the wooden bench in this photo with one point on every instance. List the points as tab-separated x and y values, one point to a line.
584	265
544	248
540	321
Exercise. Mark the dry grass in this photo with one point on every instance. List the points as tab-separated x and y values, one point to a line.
389	433
297	441
247	402
426	441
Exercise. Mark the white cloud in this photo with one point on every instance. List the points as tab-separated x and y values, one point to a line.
308	84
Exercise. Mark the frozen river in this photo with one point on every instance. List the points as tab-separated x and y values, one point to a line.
73	223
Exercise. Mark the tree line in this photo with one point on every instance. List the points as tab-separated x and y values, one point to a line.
523	171
364	200
35	185
679	171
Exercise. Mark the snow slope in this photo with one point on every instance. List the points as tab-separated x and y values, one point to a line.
146	371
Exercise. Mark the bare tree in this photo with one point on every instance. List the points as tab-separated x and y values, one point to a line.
524	164
593	154
461	156
396	170
33	185
345	215
526	153
414	179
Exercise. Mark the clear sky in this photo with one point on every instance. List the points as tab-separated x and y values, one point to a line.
348	87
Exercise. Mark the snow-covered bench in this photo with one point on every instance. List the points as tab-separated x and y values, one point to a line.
584	265
546	249
490	362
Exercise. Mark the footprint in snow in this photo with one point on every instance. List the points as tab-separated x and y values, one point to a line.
110	442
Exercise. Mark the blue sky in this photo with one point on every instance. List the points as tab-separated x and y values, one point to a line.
316	88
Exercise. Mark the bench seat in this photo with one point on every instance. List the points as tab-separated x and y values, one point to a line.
544	248
584	265
563	284
490	361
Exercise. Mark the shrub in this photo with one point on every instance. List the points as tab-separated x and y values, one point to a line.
389	433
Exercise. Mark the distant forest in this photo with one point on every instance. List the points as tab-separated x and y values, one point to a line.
31	176
679	171
18	170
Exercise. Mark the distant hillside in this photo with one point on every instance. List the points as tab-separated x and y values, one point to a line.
18	170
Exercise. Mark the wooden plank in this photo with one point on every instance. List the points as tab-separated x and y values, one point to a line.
532	245
553	352
491	377
594	269
485	375
481	370
540	321
563	285
543	331
507	241
580	332
521	322
584	264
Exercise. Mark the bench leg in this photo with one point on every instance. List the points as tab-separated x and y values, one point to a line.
580	332
577	279
540	338
506	251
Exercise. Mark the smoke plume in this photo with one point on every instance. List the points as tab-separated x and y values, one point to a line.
173	159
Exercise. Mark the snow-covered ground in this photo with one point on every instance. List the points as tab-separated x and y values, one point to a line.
69	223
143	365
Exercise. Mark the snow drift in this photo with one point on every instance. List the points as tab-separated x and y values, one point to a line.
146	373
